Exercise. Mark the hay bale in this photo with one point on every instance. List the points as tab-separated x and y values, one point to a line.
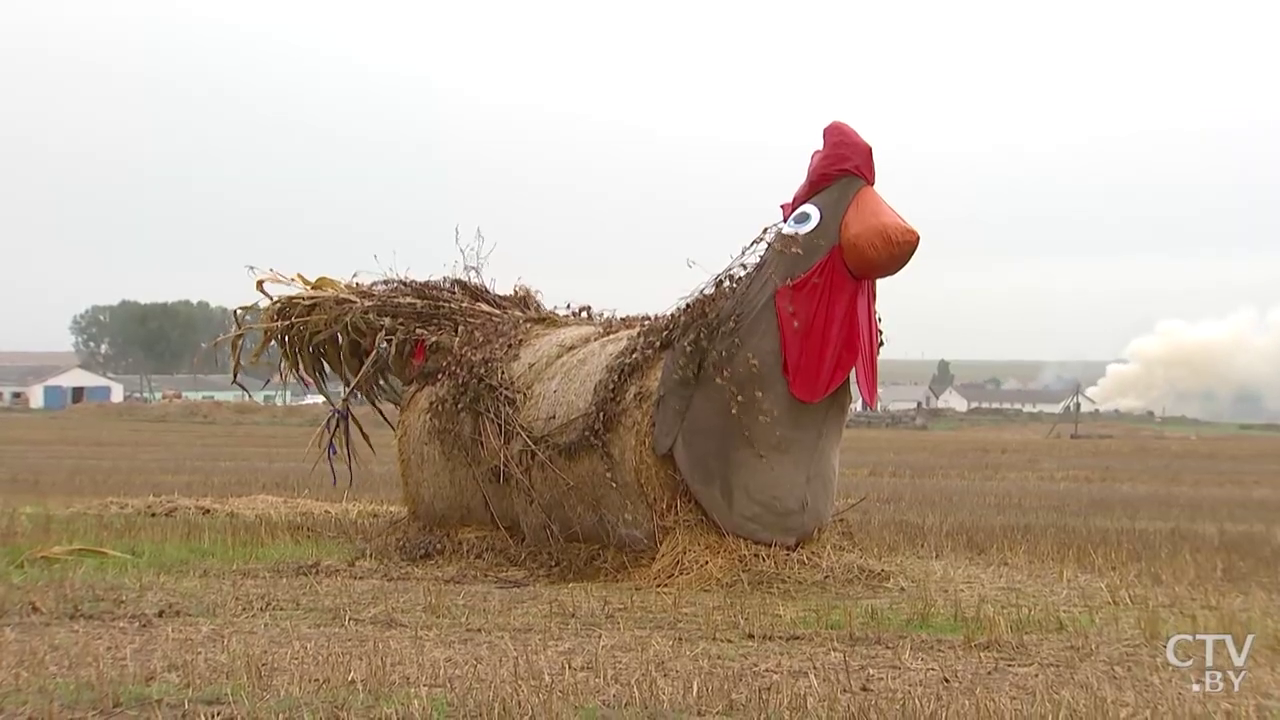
460	471
535	424
519	427
559	426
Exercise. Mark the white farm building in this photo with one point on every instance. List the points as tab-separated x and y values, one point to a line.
893	398
963	398
52	386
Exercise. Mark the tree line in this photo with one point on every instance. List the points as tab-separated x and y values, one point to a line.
159	338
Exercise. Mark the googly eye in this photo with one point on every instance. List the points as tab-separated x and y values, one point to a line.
804	219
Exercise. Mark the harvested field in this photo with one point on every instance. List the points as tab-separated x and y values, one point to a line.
989	572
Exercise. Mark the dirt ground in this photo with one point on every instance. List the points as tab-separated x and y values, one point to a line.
989	572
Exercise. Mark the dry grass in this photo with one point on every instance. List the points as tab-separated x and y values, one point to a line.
990	572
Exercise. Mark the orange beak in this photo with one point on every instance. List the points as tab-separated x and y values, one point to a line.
874	240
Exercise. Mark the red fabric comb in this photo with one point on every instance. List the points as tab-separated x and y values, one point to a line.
843	153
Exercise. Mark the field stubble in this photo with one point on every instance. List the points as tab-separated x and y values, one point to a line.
989	571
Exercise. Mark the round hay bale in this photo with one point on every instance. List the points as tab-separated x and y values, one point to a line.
460	469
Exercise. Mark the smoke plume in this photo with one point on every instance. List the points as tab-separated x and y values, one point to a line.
1226	369
1051	378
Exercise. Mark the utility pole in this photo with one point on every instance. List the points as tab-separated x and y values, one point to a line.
1072	404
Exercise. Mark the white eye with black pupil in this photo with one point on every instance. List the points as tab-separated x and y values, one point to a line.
805	218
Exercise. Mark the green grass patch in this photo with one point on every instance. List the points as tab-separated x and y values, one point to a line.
68	695
60	696
924	618
871	617
36	543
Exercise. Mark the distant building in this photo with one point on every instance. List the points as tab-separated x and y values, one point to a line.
891	398
950	399
971	396
54	387
206	387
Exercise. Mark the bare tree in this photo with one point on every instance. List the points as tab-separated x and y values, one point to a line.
475	258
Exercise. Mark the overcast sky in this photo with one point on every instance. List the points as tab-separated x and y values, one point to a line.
1077	171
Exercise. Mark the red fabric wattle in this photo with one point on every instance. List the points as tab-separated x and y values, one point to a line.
843	153
827	327
419	353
